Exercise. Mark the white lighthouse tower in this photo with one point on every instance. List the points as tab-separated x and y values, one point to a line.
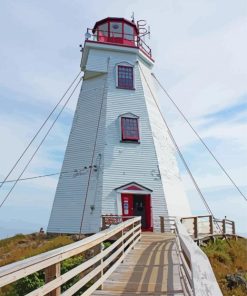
118	145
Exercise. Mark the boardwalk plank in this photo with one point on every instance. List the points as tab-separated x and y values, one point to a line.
151	268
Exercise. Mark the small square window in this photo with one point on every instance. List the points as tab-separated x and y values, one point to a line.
130	129
125	77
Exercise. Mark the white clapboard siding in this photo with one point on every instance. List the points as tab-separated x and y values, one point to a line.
150	163
97	60
71	191
129	162
176	198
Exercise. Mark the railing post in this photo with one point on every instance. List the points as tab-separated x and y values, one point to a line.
103	223
101	248
133	233
162	225
195	227
211	225
122	234
51	273
97	250
233	228
224	226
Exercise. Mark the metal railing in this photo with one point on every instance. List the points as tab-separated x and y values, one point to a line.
118	38
97	269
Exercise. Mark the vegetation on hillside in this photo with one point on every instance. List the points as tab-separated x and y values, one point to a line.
229	263
23	246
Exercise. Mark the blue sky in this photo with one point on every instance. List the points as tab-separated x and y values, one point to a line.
200	51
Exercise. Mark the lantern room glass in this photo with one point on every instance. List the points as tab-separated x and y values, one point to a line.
114	31
103	30
128	32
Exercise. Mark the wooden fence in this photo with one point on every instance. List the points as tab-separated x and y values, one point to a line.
206	226
98	268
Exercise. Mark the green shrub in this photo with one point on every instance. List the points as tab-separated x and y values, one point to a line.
107	245
66	266
29	283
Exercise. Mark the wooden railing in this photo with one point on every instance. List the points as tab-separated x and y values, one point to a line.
167	224
197	276
96	269
206	226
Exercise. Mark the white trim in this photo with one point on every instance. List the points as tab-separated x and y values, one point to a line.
126	186
129	115
119	204
144	192
106	46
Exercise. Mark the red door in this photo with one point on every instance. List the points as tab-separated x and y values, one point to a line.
148	210
131	209
127	204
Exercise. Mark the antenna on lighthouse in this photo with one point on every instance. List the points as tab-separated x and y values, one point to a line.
133	17
143	29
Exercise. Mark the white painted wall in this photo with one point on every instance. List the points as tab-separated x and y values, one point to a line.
71	191
129	162
176	199
121	163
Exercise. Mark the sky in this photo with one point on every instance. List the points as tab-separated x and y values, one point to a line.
199	47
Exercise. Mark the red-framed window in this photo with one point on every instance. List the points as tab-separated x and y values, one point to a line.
125	77
130	129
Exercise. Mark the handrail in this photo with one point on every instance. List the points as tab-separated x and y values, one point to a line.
204	226
198	276
129	234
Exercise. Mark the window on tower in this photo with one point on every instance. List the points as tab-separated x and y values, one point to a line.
125	77
130	129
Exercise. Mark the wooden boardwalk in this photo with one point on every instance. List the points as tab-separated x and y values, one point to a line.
152	268
134	264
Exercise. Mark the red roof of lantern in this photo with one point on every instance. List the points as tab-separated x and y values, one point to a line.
115	19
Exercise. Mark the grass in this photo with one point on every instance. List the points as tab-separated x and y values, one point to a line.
228	260
23	246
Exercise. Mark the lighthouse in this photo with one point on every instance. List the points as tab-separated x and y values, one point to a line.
119	153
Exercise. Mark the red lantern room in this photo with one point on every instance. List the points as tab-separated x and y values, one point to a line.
118	31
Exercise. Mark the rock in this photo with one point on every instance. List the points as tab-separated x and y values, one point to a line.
236	280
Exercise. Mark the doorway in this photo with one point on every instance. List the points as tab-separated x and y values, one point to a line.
138	205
